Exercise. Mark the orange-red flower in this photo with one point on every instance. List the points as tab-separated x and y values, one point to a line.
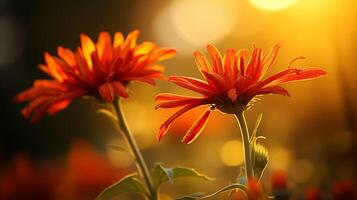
100	69
231	83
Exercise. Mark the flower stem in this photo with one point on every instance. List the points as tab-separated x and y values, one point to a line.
141	164
246	144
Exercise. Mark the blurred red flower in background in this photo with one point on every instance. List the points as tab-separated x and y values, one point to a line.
279	180
102	70
86	174
231	83
279	185
254	192
313	194
344	190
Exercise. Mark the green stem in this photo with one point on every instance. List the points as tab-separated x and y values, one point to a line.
141	164
246	144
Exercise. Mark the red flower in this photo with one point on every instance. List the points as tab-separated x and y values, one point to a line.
254	192
279	181
231	83
102	70
344	190
313	194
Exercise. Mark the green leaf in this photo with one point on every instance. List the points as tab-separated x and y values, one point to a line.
193	196
107	113
257	123
162	174
227	188
128	184
117	147
200	195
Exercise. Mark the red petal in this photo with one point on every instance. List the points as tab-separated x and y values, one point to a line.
242	56
201	61
216	59
166	125
290	75
169	96
197	128
118	39
304	74
192	84
58	106
53	68
273	89
87	48
179	103
66	55
106	91
269	57
232	94
230	62
119	89
104	47
216	81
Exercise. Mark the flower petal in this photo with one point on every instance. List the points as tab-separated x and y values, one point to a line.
58	106
118	39
268	58
296	75
106	91
197	127
201	61
180	103
88	48
230	63
242	57
232	94
192	84
170	96
119	89
216	59
53	68
273	90
104	47
166	125
66	55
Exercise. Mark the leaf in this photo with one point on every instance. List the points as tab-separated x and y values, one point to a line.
193	196
200	195
107	113
162	174
117	147
230	187
128	184
257	123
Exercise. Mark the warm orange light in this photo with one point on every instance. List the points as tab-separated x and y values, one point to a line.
272	5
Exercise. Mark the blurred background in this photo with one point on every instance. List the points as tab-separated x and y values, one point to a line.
311	136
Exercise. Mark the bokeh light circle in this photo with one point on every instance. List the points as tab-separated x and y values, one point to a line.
191	24
232	153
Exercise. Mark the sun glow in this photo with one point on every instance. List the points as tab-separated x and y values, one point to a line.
195	22
272	5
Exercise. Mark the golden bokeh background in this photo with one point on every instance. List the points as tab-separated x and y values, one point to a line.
311	135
